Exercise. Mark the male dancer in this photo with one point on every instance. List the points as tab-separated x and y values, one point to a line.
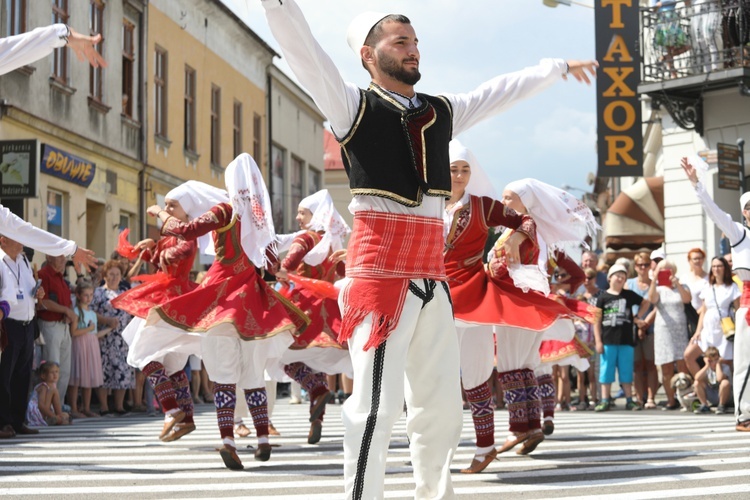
395	148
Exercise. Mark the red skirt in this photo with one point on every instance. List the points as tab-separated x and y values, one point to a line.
485	301
236	297
325	319
156	289
552	351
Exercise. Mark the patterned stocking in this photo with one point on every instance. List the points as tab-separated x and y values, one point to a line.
162	385
257	403
182	393
533	400
515	397
314	383
547	392
480	398
225	399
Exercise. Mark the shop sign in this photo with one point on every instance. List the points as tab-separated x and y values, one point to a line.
66	166
18	169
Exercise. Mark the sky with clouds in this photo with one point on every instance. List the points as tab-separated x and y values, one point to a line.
551	136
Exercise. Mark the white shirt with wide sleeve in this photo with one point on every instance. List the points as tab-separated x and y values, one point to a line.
15	228
26	48
339	100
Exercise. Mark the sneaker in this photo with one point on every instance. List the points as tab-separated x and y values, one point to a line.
632	406
602	406
702	409
721	409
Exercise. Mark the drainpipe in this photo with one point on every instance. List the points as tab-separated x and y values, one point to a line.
269	113
142	109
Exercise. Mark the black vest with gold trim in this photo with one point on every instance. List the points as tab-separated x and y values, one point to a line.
396	152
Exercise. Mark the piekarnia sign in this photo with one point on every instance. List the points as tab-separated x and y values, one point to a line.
620	137
67	166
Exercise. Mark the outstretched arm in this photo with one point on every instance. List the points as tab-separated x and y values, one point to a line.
26	48
503	91
733	230
337	99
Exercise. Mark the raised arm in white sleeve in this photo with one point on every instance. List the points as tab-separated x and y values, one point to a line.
500	93
733	230
26	48
337	99
15	228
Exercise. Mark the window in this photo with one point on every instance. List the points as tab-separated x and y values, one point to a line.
215	125
128	66
16	10
256	138
237	129
297	182
55	216
277	187
314	183
160	94
190	109
96	25
60	58
125	224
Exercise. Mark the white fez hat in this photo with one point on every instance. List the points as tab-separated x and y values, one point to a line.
360	27
744	199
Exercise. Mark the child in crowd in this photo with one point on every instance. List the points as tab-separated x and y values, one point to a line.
615	338
713	382
44	406
86	365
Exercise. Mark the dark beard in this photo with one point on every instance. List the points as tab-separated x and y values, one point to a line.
392	68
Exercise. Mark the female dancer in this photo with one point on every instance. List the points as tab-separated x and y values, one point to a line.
243	323
162	355
477	302
317	352
560	219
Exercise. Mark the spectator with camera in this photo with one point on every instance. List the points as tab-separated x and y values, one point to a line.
713	384
669	297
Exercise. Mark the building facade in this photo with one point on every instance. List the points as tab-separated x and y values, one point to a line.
82	127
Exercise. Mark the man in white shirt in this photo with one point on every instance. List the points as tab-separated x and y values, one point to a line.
17	286
397	315
15	52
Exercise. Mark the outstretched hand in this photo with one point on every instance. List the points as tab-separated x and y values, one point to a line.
83	47
84	258
690	171
580	70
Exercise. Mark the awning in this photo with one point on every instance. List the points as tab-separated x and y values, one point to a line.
635	221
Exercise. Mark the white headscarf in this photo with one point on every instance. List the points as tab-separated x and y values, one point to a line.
479	183
325	218
196	198
252	206
561	219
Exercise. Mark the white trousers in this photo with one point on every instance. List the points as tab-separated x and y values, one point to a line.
231	360
160	342
58	348
741	381
419	363
477	348
517	348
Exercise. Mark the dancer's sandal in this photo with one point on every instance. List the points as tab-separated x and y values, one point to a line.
512	441
531	443
263	452
170	420
230	458
316	429
178	431
478	466
319	406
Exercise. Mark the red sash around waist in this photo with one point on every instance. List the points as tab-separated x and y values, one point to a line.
386	251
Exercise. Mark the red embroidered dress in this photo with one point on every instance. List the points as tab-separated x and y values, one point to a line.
504	304
464	250
166	284
324	314
232	291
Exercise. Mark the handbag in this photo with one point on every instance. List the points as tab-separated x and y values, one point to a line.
692	320
727	322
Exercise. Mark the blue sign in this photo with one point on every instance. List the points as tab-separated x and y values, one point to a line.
67	166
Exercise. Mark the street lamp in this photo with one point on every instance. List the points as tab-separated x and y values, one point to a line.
555	3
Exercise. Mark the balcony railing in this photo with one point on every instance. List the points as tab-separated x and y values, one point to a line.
702	37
